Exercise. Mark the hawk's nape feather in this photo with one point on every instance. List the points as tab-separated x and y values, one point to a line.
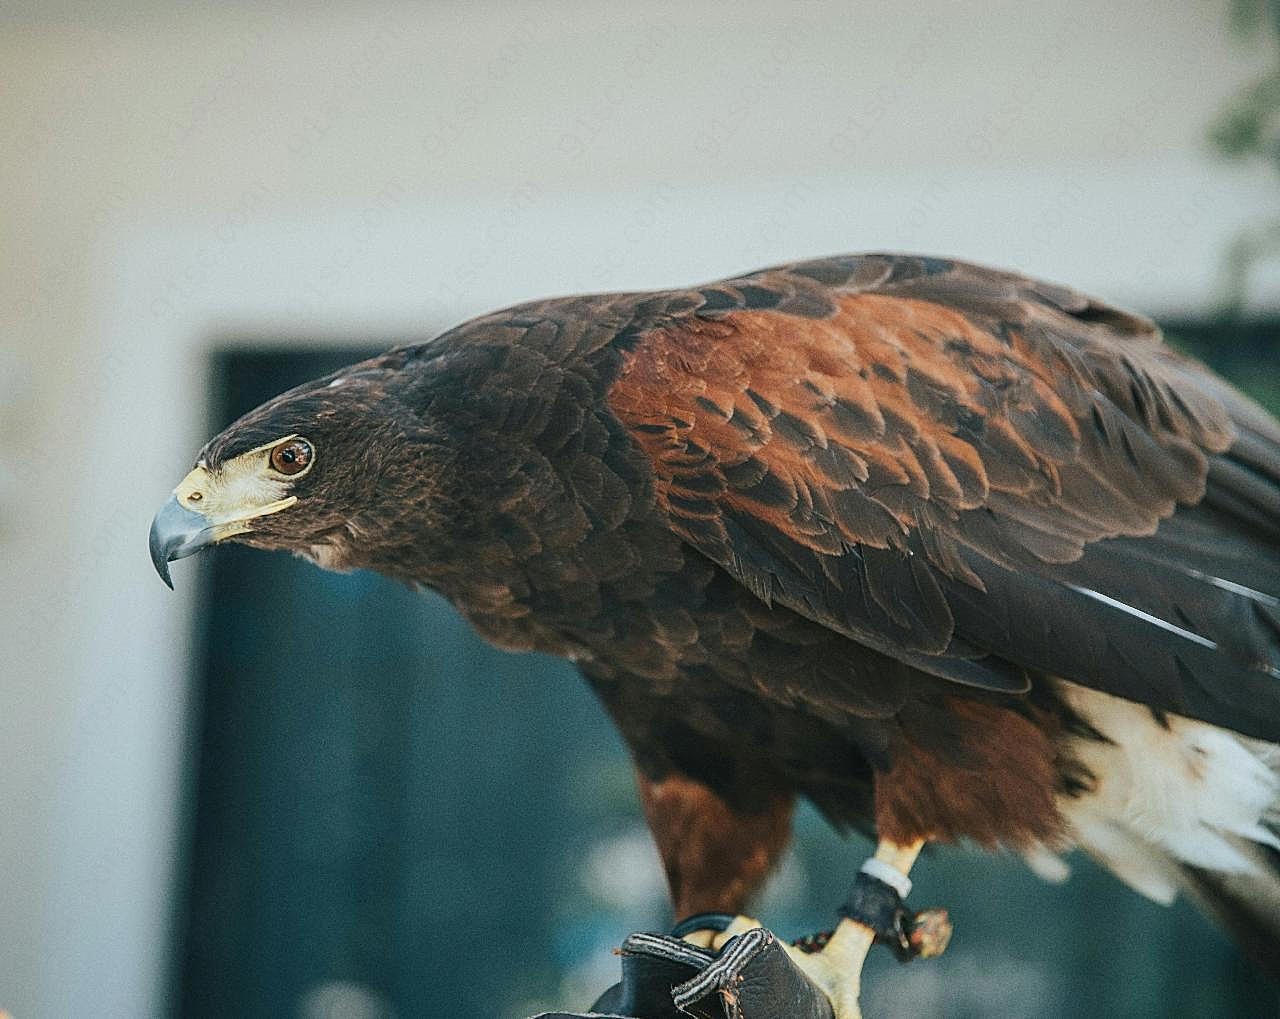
975	473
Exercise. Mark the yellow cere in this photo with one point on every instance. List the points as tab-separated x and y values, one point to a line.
241	490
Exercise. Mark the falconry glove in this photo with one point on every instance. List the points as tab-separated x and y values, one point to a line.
663	977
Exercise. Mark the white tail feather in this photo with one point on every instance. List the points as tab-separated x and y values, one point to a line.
1180	792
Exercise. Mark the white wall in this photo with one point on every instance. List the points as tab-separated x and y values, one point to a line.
171	178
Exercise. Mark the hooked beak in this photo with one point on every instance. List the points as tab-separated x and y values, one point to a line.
177	532
207	507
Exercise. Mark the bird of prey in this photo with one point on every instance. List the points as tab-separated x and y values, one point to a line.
952	552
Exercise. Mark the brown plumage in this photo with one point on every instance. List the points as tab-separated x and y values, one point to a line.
838	529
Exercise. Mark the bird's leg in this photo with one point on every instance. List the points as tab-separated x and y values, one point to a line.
715	856
876	902
874	913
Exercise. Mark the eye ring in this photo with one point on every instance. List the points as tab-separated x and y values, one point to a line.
292	458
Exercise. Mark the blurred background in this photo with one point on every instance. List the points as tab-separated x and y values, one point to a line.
284	792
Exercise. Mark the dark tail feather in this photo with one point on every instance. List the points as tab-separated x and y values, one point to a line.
1246	906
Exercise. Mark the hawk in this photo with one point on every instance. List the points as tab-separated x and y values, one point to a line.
952	552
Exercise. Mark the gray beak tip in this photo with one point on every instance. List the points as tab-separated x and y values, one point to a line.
176	532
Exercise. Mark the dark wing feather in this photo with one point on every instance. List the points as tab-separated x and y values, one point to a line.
974	472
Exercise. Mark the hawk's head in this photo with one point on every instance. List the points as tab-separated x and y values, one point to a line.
324	470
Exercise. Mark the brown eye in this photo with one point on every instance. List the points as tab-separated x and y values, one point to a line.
292	457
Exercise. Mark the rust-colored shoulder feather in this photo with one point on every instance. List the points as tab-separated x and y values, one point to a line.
910	451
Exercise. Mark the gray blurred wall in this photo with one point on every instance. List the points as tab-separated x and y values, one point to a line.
172	177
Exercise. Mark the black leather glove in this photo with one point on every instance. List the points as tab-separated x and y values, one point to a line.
752	977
